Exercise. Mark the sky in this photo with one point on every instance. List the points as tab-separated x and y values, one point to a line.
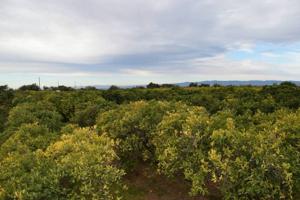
127	42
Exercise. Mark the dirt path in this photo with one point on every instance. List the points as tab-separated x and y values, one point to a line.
145	184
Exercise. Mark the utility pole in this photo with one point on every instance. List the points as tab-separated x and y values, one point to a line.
39	82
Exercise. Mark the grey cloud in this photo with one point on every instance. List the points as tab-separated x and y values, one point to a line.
112	35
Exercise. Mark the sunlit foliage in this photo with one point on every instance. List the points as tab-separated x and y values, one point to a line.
77	166
78	144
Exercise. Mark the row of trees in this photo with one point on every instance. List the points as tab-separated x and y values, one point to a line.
79	144
239	99
35	87
45	155
36	163
254	159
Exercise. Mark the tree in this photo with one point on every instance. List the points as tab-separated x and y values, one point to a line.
59	88
204	85
33	87
34	113
181	142
23	174
153	85
4	88
166	85
33	136
193	85
251	164
288	83
31	113
64	88
6	98
246	162
80	165
86	117
85	166
133	126
89	88
113	87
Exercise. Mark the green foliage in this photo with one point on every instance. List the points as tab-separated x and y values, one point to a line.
6	97
59	88
33	87
23	175
87	116
33	136
251	164
153	85
247	163
78	166
114	87
75	106
34	113
28	113
132	126
182	143
244	140
84	165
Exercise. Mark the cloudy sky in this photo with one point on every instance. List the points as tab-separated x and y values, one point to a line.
127	42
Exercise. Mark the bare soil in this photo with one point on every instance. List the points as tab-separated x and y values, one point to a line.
144	183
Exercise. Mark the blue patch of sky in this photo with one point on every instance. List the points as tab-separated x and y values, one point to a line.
266	52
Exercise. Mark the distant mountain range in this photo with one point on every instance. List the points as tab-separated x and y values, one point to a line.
212	82
238	83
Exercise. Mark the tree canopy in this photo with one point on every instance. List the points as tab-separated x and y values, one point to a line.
83	144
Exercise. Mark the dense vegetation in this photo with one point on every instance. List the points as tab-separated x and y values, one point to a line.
61	143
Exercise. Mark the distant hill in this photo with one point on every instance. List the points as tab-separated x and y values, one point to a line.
238	83
105	87
211	82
